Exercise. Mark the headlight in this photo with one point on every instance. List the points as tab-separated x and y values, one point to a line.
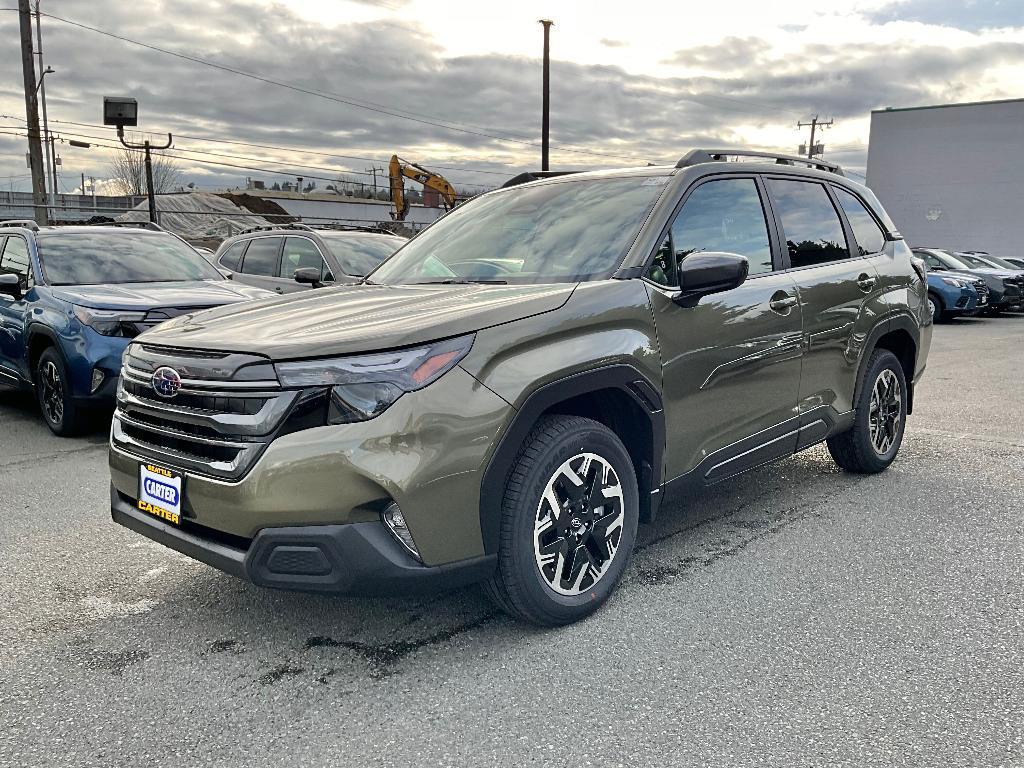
954	281
110	322
364	386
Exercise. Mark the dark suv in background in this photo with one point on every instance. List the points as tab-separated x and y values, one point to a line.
293	257
514	391
1006	286
71	298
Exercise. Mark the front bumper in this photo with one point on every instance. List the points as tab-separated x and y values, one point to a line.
352	559
426	453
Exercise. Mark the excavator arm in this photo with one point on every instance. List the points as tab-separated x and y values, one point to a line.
399	170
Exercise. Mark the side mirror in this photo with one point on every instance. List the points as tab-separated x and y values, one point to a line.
702	274
227	273
308	276
11	285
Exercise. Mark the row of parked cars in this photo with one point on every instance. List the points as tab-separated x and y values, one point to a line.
73	297
969	283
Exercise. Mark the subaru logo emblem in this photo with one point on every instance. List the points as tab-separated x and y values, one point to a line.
166	382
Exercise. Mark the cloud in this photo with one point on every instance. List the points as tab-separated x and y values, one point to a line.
609	43
722	93
731	54
972	15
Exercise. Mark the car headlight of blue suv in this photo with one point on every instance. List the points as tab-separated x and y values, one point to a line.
110	322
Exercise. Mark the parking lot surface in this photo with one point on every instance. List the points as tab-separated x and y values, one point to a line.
793	616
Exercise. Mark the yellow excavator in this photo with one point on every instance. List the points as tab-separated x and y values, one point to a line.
399	170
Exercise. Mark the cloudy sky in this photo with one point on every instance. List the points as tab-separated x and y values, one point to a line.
455	84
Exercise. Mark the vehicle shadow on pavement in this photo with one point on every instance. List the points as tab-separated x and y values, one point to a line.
265	636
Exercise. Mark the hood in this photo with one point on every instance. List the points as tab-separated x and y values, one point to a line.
357	318
144	296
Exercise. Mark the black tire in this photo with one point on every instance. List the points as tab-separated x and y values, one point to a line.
520	587
938	308
53	393
856	449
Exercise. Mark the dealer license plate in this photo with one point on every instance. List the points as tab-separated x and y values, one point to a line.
160	492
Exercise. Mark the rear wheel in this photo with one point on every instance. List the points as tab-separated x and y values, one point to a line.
873	441
569	521
53	391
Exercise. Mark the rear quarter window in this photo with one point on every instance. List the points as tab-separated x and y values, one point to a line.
870	237
232	257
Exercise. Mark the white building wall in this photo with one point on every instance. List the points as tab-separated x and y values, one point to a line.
952	176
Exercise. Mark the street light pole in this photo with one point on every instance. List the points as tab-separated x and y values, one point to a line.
546	104
146	147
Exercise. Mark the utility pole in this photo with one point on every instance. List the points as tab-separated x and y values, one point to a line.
546	102
814	124
373	169
35	148
51	170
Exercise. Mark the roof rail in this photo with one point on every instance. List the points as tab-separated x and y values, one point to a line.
26	223
152	225
526	178
332	227
699	156
267	227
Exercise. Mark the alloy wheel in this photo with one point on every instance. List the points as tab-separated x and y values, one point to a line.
52	394
578	524
884	415
931	306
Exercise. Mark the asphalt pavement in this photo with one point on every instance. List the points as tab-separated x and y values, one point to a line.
796	616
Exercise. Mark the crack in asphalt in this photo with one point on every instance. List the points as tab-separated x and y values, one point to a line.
383	657
33	458
728	547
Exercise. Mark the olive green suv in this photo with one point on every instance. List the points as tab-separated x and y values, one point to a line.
506	398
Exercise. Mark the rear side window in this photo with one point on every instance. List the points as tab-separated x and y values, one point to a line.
261	257
869	236
232	257
813	230
300	253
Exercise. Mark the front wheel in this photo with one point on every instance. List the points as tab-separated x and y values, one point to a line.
880	418
935	308
569	519
53	390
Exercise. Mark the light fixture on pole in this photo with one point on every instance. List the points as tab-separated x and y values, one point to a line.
121	111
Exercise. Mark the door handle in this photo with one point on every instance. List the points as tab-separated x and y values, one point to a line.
783	304
866	282
279	289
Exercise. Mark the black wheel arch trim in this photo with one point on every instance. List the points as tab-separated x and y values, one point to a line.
621	377
897	322
40	329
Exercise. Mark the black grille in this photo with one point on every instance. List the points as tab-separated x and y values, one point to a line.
241	405
181	445
180	427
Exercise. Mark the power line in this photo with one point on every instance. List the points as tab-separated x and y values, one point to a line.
341	99
290	149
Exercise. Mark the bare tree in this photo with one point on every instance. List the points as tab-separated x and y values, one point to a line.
128	171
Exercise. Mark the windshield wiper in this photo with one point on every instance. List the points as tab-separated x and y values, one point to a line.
462	281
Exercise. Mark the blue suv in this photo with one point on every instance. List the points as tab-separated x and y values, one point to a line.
950	295
72	298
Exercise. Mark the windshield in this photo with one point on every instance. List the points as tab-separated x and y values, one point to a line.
106	257
972	262
540	233
951	261
358	255
997	263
